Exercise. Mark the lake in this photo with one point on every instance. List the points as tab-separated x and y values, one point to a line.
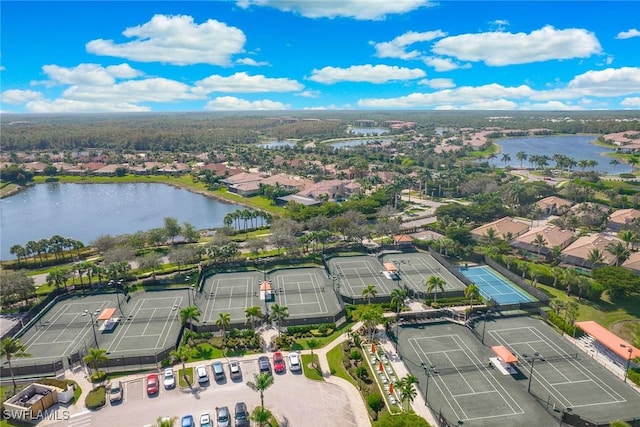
577	147
368	131
86	211
356	142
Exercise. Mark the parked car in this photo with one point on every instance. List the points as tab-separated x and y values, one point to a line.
218	371
205	420
264	365
294	361
223	418
201	373
152	384
278	362
241	416
169	379
187	421
115	391
234	369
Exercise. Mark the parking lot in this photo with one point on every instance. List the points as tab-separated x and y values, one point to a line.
292	397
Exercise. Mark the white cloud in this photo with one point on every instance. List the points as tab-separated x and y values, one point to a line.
443	64
499	24
19	97
309	94
464	95
244	83
251	62
553	106
356	9
225	103
628	34
146	90
397	48
608	82
632	102
365	73
500	48
72	106
437	83
175	40
88	74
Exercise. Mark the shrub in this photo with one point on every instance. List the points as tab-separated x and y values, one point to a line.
96	398
375	402
98	377
54	382
355	354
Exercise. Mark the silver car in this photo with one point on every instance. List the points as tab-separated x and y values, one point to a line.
223	417
115	391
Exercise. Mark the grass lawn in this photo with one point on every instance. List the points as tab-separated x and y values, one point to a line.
181	374
334	357
309	372
301	344
605	312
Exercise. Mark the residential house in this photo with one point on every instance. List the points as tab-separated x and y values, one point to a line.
244	184
331	189
402	240
554	205
553	236
504	228
579	252
622	218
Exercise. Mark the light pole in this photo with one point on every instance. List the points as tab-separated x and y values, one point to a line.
630	351
484	325
93	326
428	370
533	358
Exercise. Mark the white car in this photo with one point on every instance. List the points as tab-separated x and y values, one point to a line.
201	373
234	369
294	361
205	420
169	379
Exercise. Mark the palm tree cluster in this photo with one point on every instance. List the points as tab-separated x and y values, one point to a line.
249	219
56	246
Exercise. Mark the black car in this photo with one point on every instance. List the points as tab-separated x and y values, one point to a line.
264	365
241	415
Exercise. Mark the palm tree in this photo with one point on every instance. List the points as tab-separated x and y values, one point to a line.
252	314
398	296
260	383
261	416
540	242
94	357
619	251
595	256
369	292
433	284
371	316
223	322
182	354
278	313
506	158
556	273
313	344
166	422
472	292
629	237
189	315
521	156
407	391
10	348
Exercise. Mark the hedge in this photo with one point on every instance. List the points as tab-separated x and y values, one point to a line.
96	398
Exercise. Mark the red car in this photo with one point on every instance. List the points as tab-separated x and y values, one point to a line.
278	362
152	384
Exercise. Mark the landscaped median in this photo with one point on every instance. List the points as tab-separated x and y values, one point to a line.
185	380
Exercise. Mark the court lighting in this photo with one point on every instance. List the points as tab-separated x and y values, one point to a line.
429	371
93	325
533	358
484	325
630	351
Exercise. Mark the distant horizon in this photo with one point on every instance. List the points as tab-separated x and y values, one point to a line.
284	56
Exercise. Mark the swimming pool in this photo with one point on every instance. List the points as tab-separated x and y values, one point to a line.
495	286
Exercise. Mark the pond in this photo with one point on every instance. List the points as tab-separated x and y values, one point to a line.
577	147
278	144
368	131
356	142
86	211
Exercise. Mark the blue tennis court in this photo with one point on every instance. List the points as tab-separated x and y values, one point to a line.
495	286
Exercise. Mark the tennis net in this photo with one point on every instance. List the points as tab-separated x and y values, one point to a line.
229	293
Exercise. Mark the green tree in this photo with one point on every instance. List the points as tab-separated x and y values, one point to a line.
223	322
375	402
313	344
252	314
279	313
260	383
398	296
435	283
408	392
94	357
401	420
182	354
171	228
166	421
369	292
10	348
190	315
472	292
261	416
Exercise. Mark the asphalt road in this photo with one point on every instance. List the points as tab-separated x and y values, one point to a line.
293	398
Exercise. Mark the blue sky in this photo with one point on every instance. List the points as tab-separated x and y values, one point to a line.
123	56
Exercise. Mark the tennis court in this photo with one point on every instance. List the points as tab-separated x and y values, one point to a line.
415	269
306	292
561	379
148	323
353	274
229	293
495	286
461	384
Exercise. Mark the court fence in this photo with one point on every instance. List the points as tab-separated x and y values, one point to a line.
541	296
32	370
124	363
